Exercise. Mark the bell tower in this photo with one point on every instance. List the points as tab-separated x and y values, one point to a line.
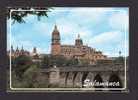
78	41
55	45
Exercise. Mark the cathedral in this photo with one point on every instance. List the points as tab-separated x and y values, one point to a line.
78	50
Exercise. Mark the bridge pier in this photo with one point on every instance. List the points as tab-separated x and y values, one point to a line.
54	76
69	79
90	77
78	80
62	82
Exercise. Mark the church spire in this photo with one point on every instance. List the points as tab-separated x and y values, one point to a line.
17	50
78	36
22	50
55	36
55	30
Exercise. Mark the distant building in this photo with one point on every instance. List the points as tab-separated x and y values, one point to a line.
78	50
15	53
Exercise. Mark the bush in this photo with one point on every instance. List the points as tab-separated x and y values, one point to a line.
30	76
20	65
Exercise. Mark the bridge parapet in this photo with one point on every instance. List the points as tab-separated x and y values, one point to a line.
103	68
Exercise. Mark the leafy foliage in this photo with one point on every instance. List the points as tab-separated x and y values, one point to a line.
59	60
45	61
72	61
28	80
20	13
20	65
119	60
30	75
84	61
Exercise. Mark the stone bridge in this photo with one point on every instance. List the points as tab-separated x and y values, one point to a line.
78	76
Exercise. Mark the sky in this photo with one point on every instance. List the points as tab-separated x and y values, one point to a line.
105	29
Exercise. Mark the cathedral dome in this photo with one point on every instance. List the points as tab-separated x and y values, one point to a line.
78	41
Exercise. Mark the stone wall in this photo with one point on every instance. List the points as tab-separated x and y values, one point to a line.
74	76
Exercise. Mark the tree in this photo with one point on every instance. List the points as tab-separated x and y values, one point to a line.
72	61
30	76
119	60
45	61
21	64
84	61
75	61
57	60
18	16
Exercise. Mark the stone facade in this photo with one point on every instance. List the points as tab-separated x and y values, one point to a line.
79	51
74	77
15	53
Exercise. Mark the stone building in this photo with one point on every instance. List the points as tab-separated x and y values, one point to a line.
78	50
16	52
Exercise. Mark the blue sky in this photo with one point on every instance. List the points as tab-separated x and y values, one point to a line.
100	28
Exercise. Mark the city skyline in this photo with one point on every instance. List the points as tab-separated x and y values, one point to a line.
104	29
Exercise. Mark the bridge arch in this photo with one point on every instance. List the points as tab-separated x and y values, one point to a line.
98	79
115	78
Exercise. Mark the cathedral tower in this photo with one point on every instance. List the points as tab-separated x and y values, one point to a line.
55	46
78	41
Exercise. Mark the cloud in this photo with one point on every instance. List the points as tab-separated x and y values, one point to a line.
123	47
106	37
42	28
42	50
101	28
119	21
29	45
110	43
